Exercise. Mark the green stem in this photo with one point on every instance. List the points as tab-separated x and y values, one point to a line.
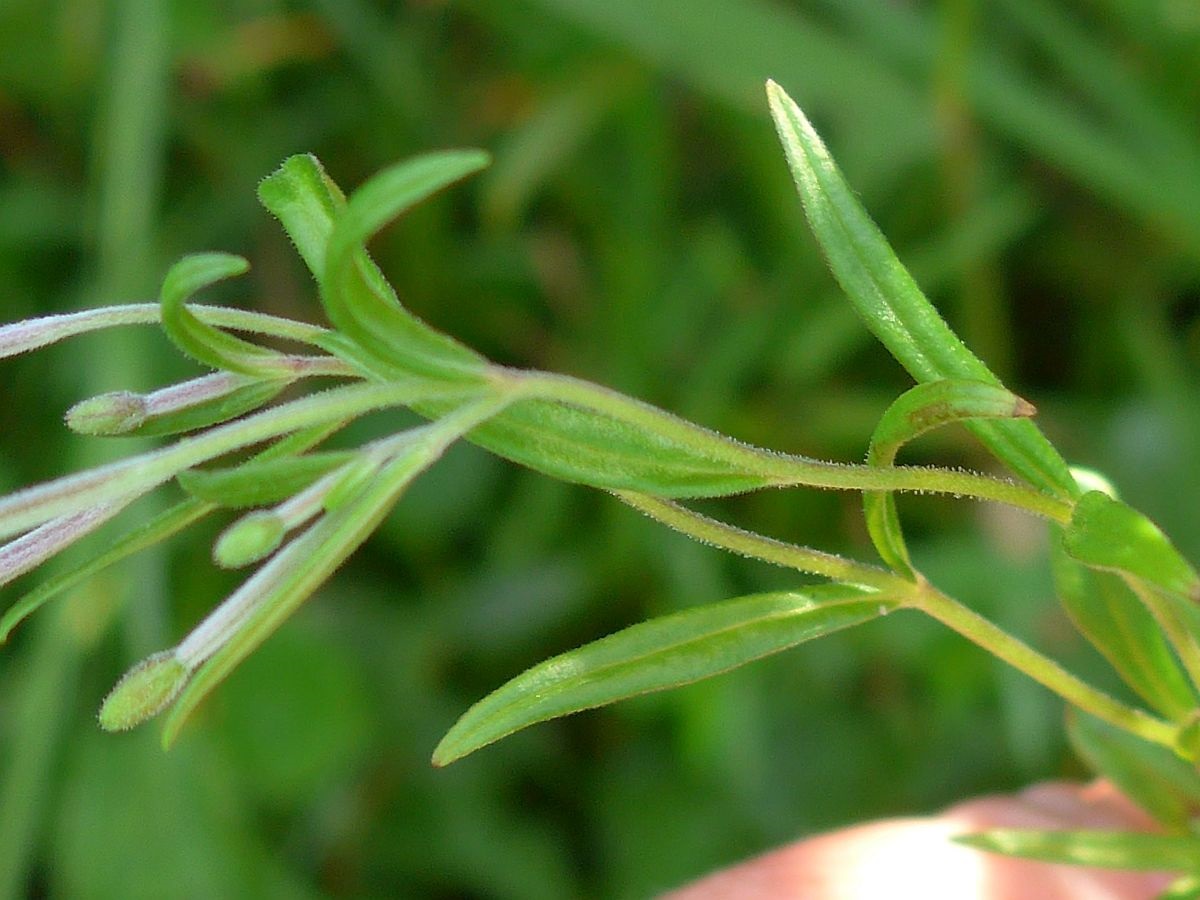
1044	670
786	469
21	337
756	546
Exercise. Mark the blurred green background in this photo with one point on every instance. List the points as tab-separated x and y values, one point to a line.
1037	164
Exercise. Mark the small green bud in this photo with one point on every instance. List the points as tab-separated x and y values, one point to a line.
143	691
117	412
249	539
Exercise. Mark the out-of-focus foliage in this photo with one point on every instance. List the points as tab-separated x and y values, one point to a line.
1034	161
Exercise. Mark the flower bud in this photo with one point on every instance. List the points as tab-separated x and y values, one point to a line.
143	691
117	412
249	539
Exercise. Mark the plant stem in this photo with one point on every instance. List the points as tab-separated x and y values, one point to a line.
756	546
30	334
1044	670
787	469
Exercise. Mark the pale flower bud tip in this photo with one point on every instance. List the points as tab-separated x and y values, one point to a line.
114	413
143	691
248	540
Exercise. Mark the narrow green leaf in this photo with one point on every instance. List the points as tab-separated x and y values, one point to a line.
586	447
659	654
1150	775
358	299
201	341
1107	534
211	412
158	529
259	482
331	235
890	302
916	411
1118	624
306	201
1104	849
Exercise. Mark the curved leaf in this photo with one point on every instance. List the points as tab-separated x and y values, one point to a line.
916	411
1109	535
890	302
201	341
659	654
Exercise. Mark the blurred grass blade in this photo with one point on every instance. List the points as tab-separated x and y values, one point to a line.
1106	534
1150	775
1186	888
158	529
1104	849
660	654
259	482
891	303
916	411
201	341
1118	624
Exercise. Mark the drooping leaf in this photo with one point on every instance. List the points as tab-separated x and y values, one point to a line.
201	341
1106	534
890	302
1118	624
1104	849
659	654
1148	774
916	411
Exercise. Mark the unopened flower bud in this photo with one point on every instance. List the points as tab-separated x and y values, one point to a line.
143	691
117	412
249	539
